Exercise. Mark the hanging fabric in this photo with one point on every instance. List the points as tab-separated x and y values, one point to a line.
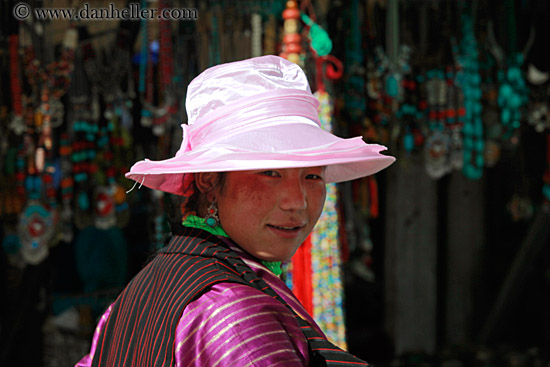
326	257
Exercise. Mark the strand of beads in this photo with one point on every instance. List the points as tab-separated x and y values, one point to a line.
291	38
67	187
469	80
83	149
163	114
512	96
16	125
454	115
437	148
325	252
409	115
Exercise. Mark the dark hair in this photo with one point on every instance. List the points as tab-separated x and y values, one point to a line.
190	204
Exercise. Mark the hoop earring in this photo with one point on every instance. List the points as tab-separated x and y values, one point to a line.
212	220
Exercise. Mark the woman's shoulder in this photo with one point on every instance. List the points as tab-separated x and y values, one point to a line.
228	297
233	314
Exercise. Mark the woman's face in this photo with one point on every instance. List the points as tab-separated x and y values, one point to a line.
269	213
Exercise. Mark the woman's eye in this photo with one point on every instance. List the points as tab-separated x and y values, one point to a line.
270	173
313	177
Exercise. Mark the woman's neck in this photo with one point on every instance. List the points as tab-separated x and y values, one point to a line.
194	221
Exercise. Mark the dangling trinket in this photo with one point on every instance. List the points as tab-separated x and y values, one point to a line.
436	152
35	229
456	157
539	116
104	208
492	153
212	219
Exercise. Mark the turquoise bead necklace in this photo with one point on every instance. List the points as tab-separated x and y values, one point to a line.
468	78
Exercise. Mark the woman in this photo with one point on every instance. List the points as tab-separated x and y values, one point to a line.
253	166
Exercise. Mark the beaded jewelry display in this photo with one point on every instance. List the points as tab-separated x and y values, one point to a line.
35	229
469	80
539	112
292	48
438	143
50	83
513	92
325	252
104	207
454	115
16	124
409	116
67	188
160	53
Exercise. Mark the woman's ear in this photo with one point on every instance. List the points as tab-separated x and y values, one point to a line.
207	181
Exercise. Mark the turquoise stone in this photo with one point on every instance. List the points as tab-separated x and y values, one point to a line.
211	222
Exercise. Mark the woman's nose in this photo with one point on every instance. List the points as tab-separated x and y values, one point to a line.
293	196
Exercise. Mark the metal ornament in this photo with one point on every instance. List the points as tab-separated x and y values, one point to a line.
105	217
436	154
539	116
212	220
35	229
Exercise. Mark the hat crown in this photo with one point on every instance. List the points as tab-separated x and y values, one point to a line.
226	84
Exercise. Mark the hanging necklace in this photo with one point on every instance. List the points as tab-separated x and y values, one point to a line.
163	114
161	52
51	82
469	80
454	120
513	91
438	143
17	124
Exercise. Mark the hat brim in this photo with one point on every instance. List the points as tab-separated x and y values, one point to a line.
294	146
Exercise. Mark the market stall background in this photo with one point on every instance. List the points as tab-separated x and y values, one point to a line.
442	259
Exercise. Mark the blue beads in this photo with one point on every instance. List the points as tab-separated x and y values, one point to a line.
469	80
83	201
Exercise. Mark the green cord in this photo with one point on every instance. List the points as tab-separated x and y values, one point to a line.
197	222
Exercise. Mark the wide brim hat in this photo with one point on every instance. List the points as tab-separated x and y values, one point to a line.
255	114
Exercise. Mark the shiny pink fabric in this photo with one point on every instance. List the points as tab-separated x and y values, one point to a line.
237	325
257	114
223	85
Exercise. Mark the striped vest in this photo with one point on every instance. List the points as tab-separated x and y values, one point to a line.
140	330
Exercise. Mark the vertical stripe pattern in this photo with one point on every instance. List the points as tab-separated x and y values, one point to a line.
140	330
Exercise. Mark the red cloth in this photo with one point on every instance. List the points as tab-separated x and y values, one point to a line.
301	275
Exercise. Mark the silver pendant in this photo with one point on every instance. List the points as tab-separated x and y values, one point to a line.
436	154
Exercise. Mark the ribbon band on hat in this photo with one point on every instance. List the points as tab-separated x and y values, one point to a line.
250	112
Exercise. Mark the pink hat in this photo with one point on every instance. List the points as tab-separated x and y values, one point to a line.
257	114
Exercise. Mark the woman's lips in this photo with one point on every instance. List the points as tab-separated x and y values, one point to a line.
287	230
